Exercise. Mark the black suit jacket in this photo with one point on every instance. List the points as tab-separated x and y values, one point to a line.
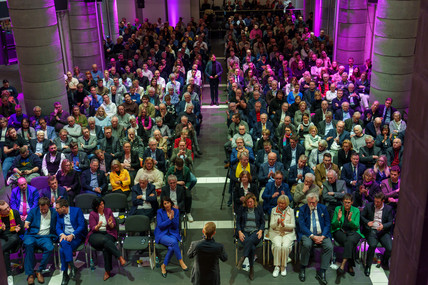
206	268
136	191
160	158
390	155
287	156
85	180
181	195
321	127
135	160
348	175
115	145
318	117
367	215
371	130
33	144
260	156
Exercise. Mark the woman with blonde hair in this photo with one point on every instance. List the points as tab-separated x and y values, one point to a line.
101	118
282	234
119	178
381	169
344	154
311	140
154	175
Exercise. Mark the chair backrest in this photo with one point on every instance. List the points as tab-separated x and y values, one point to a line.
116	201
137	223
40	182
84	202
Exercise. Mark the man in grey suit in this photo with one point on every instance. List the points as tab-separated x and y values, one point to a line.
87	143
206	268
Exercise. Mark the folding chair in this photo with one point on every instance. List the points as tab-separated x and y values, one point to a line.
84	202
140	225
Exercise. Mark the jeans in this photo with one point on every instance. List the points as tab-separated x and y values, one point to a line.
7	164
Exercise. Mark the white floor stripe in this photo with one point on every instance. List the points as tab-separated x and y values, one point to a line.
196	225
222	106
220	85
378	276
210	180
56	278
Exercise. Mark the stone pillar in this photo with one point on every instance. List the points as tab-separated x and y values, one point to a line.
327	17
110	19
409	263
84	35
393	51
39	53
351	31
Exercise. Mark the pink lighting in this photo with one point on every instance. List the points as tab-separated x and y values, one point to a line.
317	17
173	12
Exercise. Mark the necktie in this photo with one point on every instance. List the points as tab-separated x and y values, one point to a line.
355	172
24	205
314	223
264	127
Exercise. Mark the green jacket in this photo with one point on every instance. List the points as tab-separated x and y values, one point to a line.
354	223
183	175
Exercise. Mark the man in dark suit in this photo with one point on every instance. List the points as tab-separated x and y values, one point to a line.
78	158
28	193
147	204
292	152
377	219
104	160
333	191
282	113
326	125
157	154
262	155
267	170
337	135
41	233
48	131
374	128
352	122
369	153
53	192
94	130
98	187
63	141
175	192
11	227
344	112
352	172
320	113
71	229
273	190
394	154
110	144
206	270
260	126
314	222
297	172
387	111
40	145
181	106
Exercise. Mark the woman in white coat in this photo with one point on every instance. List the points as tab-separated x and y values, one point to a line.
282	234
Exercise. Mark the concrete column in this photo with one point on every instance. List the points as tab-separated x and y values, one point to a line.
351	31
39	53
84	35
110	19
409	263
327	10
393	51
64	35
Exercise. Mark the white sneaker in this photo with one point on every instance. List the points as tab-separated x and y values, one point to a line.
189	217
10	280
276	271
284	272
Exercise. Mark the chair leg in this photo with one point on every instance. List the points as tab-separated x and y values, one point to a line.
263	248
236	254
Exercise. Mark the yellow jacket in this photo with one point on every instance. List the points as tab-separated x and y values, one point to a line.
123	177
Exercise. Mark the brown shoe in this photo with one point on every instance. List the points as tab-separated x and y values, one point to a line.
40	277
122	261
30	279
240	262
227	165
106	275
251	272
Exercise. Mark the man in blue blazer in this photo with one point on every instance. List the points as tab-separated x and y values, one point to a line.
147	204
260	155
181	107
26	192
53	192
297	172
273	190
258	128
352	172
71	229
41	233
268	169
49	131
340	132
99	187
314	222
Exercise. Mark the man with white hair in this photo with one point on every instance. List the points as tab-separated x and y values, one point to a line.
304	189
314	222
333	191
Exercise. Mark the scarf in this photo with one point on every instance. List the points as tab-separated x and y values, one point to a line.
282	213
397	125
12	221
239	169
367	184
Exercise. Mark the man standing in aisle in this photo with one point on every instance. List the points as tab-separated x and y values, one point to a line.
213	71
206	269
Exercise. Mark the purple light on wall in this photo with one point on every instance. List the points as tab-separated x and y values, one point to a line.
173	12
317	17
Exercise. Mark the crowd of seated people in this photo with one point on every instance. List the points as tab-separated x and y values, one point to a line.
132	129
305	146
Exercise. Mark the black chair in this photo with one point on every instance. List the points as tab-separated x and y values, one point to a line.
118	203
139	227
84	202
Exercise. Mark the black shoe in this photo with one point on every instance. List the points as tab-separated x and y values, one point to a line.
65	279
367	271
217	103
251	273
302	275
164	274
340	271
199	152
351	271
385	266
73	271
212	103
321	277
